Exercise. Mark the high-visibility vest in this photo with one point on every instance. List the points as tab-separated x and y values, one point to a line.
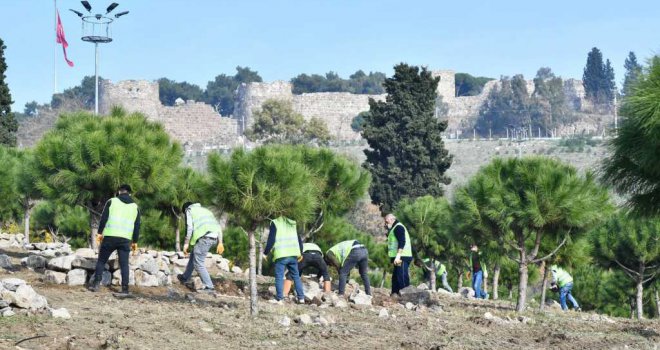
311	247
561	276
203	222
342	250
286	239
440	268
393	243
121	219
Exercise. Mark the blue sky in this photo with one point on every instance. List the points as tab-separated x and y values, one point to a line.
196	40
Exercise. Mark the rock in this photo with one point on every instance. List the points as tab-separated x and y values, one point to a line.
525	320
466	292
553	304
272	290
153	253
60	313
423	286
34	262
76	277
86	253
82	263
163	279
116	278
285	321
5	261
54	277
223	264
237	269
180	255
26	298
340	303
62	263
414	295
495	319
197	283
3	304
168	254
312	290
383	313
8	313
410	306
163	265
447	293
12	283
181	262
209	263
106	278
40	246
359	297
149	266
304	319
145	279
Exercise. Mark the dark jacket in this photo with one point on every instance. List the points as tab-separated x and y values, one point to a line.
126	198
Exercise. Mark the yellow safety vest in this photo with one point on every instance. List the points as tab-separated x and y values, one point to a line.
393	243
286	239
121	219
203	222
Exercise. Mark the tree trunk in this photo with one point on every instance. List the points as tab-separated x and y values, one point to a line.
382	281
522	285
26	221
260	263
94	221
433	276
496	281
631	301
460	280
657	303
639	298
177	244
510	291
544	285
254	309
485	284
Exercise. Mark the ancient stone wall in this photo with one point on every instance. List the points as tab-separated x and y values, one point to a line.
132	95
250	97
446	85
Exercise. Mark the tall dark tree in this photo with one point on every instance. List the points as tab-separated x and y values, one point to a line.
170	90
598	79
508	105
406	156
8	124
609	83
77	97
468	85
633	71
221	91
549	105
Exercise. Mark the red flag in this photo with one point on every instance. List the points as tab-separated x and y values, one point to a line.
61	39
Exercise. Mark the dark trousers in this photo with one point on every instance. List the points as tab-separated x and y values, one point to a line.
400	277
357	257
109	245
315	261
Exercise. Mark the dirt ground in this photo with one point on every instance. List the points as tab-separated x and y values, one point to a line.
174	318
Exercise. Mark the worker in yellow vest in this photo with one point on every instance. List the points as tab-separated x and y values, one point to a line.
562	281
399	249
119	230
345	256
312	256
287	248
203	231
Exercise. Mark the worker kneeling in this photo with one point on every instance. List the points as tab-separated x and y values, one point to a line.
345	256
311	257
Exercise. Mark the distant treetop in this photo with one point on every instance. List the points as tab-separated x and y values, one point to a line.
358	83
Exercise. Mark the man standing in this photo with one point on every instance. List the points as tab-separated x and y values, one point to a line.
478	272
345	256
440	271
399	250
311	257
119	230
202	232
286	245
563	280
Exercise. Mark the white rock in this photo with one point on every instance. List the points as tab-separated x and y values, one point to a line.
76	277
144	279
223	264
383	313
304	319
12	283
181	262
116	278
423	286
25	297
34	262
54	277
60	313
106	278
410	306
236	269
359	297
168	254
62	263
285	321
8	313
163	279
466	292
86	253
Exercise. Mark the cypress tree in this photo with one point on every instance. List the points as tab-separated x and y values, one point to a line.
8	124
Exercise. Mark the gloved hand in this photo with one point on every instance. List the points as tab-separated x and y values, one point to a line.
264	256
134	248
300	258
99	238
185	249
220	249
397	260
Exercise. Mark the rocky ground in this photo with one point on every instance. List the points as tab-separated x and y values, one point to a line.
171	317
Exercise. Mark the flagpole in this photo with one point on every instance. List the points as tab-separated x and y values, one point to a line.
55	50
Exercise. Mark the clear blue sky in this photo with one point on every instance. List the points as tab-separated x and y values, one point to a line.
196	40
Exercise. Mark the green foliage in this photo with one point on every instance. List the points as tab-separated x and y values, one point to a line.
156	230
468	85
407	157
170	90
428	221
549	105
221	91
78	97
71	222
577	143
358	83
8	189
85	158
277	122
633	166
507	105
235	240
633	72
8	123
598	78
357	123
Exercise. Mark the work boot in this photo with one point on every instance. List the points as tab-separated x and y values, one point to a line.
327	286
181	279
287	287
94	286
123	294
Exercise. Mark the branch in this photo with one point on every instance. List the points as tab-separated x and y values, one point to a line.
552	253
512	245
650	278
629	271
537	244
